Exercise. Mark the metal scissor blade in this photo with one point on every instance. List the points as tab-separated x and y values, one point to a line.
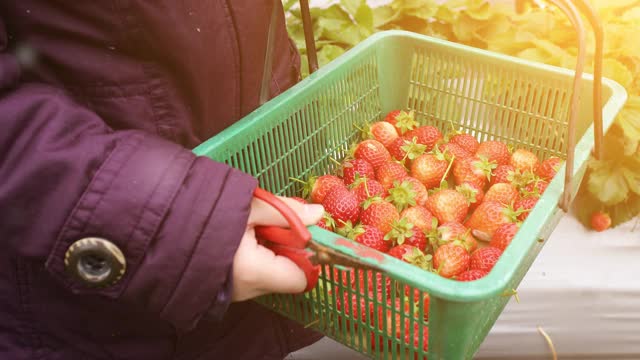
327	256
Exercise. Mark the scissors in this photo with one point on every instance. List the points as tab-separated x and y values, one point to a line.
296	243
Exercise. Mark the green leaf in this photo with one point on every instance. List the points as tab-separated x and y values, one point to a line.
360	11
629	118
608	182
328	53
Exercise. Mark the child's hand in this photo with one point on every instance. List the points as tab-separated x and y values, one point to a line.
256	269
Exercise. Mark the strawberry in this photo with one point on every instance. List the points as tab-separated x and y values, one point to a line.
549	168
316	188
465	141
451	260
327	222
524	160
402	120
410	192
384	132
373	152
472	192
448	205
430	169
452	149
377	286
343	205
600	221
386	320
404	232
525	204
379	213
471	275
367	188
494	151
453	232
404	148
405	252
475	170
535	188
370	236
355	305
426	135
503	236
390	172
488	217
503	193
501	174
356	168
419	216
484	259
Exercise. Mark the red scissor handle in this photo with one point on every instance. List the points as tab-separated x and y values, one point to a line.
291	242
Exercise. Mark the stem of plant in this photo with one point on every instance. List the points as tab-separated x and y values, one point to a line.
448	168
297	180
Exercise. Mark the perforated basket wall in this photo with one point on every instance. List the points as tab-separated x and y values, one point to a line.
488	95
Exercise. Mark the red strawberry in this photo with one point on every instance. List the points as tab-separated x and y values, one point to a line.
327	222
488	217
549	168
494	151
451	260
503	236
385	322
343	205
453	232
366	189
370	236
466	141
419	216
600	221
452	149
448	205
316	188
525	204
503	193
426	299
372	285
404	232
484	259
524	160
402	120
404	252
390	172
471	275
373	152
380	214
429	169
403	148
426	135
472	192
356	168
384	132
410	192
355	305
501	174
535	188
473	170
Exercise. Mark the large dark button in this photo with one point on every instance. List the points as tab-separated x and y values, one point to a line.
95	262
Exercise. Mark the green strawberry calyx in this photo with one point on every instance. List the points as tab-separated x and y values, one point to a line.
469	192
400	231
406	121
412	149
485	166
402	195
370	201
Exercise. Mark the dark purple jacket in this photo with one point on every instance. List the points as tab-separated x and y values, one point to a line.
100	102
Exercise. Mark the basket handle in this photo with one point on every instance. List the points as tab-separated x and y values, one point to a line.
568	7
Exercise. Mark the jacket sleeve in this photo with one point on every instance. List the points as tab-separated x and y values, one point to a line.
177	218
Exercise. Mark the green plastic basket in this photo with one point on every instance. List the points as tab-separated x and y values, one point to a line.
488	95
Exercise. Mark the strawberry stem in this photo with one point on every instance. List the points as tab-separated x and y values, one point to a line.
298	180
444	177
335	161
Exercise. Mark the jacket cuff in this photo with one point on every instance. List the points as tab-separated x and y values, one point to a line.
178	220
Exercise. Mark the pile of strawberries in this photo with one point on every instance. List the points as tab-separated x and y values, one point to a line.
443	202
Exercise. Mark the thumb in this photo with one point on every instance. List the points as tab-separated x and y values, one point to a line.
264	214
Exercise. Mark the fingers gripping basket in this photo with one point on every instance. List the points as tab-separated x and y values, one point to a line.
488	95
